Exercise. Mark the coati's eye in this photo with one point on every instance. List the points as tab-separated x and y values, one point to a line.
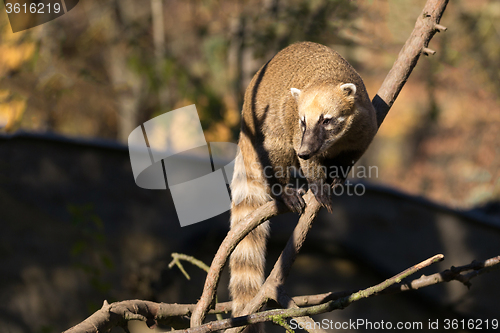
327	121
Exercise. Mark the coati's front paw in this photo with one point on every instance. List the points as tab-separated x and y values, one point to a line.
292	198
323	193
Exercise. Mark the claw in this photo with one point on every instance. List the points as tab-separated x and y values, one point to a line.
292	198
322	193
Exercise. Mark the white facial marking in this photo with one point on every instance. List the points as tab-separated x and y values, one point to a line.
341	118
327	116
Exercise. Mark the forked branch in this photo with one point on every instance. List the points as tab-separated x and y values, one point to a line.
311	310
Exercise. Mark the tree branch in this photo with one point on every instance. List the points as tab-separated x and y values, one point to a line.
426	26
176	260
234	236
118	314
306	322
272	287
274	315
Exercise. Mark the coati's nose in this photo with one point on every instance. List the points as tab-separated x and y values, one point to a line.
304	155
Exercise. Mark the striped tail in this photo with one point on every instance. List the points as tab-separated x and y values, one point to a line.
249	191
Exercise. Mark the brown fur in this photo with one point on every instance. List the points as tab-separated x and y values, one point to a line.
272	138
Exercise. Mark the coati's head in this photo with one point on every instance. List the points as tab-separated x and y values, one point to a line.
325	114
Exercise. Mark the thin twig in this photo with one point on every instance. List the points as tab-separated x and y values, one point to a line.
176	260
190	259
454	273
177	257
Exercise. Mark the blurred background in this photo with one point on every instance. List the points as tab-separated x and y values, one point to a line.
76	229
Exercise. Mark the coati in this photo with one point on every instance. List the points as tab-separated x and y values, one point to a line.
305	108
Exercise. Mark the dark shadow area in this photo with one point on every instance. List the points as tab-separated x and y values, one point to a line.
77	230
381	108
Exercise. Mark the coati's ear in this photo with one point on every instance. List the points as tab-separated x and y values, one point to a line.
349	89
295	93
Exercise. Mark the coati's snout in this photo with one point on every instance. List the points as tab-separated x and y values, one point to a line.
312	141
